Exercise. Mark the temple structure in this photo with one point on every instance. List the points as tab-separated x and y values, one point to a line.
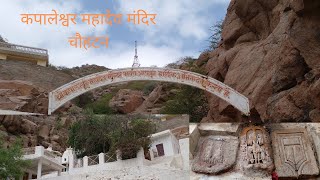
16	52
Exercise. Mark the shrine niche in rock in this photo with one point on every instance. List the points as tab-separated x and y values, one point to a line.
215	154
293	154
255	151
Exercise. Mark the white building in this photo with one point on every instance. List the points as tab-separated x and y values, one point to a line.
164	144
43	161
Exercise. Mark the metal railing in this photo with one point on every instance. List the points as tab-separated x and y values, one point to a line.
93	160
28	151
110	158
23	49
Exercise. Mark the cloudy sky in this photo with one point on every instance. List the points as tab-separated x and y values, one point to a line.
182	29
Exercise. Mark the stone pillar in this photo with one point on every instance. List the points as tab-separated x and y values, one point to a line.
151	154
118	153
140	156
101	158
85	161
39	171
59	173
71	161
140	153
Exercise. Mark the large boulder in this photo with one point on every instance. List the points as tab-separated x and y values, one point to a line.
126	100
270	53
28	127
22	96
44	132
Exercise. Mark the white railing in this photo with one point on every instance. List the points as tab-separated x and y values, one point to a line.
40	151
103	160
28	151
24	49
50	154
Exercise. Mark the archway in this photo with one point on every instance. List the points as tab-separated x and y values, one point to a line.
69	91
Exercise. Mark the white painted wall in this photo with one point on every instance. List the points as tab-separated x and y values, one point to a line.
169	141
184	147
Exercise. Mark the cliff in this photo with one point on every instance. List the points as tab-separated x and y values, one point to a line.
270	52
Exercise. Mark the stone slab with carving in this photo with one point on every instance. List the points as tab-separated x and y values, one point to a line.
255	155
293	153
215	154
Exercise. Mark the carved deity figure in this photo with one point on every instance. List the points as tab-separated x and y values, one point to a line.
255	149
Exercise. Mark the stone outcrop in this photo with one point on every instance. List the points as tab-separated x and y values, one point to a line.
156	99
33	131
126	100
269	52
22	96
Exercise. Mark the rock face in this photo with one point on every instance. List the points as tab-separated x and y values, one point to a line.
269	52
33	131
22	96
126	101
215	154
156	99
45	77
293	154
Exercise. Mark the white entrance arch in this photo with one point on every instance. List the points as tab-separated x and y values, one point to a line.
67	92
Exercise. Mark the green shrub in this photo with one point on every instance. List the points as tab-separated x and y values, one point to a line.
149	87
101	106
11	162
189	100
108	133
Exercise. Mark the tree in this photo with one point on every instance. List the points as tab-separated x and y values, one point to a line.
90	136
108	133
132	136
215	38
187	99
11	162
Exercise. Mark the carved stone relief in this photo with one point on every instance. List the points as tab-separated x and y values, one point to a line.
215	154
293	153
255	150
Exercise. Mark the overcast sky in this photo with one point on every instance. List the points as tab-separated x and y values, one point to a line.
182	29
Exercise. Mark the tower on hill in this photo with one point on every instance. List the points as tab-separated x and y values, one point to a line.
136	60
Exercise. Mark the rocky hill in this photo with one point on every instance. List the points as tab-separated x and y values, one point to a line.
270	52
42	77
25	87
